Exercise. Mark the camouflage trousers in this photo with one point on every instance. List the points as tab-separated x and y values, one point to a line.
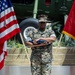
41	63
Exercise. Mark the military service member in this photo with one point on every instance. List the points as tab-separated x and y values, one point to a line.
41	45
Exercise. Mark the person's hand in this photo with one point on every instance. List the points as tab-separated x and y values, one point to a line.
35	42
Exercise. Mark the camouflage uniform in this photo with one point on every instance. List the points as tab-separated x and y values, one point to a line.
41	57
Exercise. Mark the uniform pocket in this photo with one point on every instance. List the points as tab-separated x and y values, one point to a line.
46	57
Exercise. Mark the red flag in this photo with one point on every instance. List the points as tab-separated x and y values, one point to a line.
69	28
8	27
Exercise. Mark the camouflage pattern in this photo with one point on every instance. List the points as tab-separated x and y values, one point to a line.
41	57
41	62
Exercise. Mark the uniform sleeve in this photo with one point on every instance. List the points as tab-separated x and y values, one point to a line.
52	33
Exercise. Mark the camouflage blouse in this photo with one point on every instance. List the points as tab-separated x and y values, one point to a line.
36	34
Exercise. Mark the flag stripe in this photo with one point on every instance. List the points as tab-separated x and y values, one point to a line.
7	21
9	30
1	64
8	36
1	48
64	32
1	56
6	16
11	23
3	53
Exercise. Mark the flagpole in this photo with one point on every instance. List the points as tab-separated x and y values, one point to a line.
35	8
34	16
24	46
65	18
60	40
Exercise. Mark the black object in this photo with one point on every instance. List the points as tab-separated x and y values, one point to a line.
39	41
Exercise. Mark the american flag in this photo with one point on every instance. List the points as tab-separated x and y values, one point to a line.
8	27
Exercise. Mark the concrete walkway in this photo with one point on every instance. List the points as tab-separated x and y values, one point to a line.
25	70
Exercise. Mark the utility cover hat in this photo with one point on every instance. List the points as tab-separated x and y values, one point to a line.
42	19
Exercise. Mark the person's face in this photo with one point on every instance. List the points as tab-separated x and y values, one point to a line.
42	25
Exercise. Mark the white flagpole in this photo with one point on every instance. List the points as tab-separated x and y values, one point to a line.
24	46
65	18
